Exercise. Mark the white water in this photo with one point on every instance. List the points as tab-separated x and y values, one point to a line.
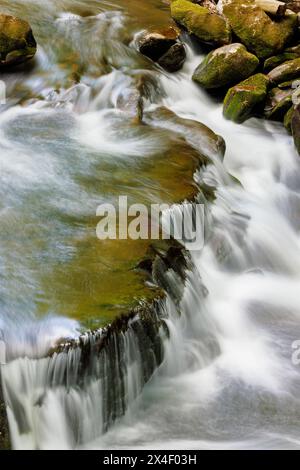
227	380
247	396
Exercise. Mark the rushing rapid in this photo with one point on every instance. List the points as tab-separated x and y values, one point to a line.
223	376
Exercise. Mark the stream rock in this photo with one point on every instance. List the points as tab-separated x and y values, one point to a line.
202	138
17	43
154	44
295	127
209	27
225	66
257	30
287	121
290	70
277	60
174	58
162	46
278	103
242	100
4	436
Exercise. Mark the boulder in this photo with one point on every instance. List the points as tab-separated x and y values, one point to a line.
287	121
257	30
242	100
278	103
154	44
174	58
290	70
276	60
209	27
225	66
17	43
295	127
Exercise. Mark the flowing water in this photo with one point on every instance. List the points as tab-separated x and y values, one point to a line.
225	376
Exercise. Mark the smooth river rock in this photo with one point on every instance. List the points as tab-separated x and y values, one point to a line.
257	30
242	100
17	43
225	66
210	28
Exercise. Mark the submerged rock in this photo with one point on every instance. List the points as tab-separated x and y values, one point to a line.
225	66
154	44
242	100
202	138
257	30
17	43
174	58
288	71
295	127
209	27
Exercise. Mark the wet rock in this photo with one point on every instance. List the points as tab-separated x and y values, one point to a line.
243	99
277	60
131	98
288	71
4	435
294	6
278	103
257	30
17	43
174	58
225	66
295	127
209	4
287	121
154	44
211	28
204	140
162	46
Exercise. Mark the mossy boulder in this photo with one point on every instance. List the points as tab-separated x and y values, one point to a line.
226	65
277	60
257	30
242	100
209	27
17	43
290	70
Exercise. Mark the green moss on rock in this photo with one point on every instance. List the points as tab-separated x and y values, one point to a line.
241	100
257	30
225	66
277	60
209	27
288	71
17	43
